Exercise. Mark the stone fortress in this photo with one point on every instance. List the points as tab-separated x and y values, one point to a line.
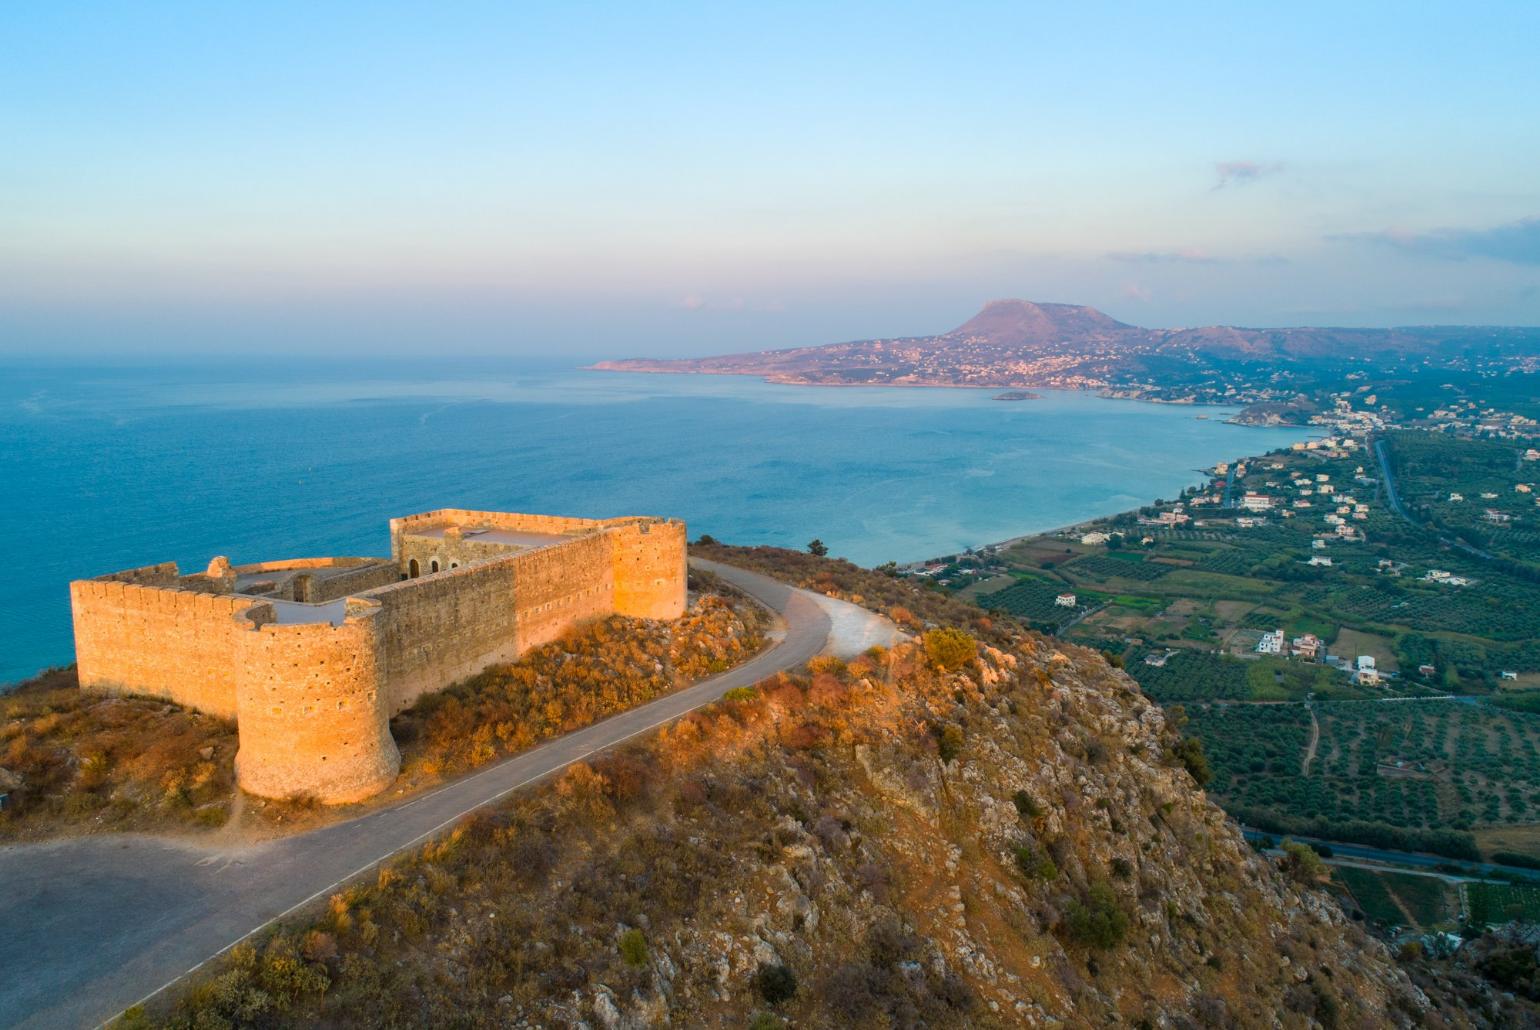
313	656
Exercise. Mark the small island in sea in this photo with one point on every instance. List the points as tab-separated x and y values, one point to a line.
1018	395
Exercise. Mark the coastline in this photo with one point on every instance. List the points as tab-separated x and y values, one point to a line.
1105	392
998	545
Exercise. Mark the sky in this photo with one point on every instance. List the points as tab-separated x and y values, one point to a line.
589	180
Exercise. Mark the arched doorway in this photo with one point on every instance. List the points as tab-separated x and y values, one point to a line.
413	570
433	565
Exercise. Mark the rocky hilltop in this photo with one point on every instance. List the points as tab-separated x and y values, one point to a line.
1016	343
983	828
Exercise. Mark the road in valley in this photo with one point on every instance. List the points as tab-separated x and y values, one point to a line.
1417	859
95	924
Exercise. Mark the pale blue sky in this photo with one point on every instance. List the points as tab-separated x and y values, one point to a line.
623	179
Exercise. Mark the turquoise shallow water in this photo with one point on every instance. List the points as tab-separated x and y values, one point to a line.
106	469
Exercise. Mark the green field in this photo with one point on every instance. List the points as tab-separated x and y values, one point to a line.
1200	595
1400	899
1492	903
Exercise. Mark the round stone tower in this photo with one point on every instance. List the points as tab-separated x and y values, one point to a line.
311	710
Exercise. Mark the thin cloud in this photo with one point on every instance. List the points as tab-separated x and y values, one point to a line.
1190	256
1243	173
1162	257
1516	243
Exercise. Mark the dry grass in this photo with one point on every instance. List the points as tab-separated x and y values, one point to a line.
78	762
595	670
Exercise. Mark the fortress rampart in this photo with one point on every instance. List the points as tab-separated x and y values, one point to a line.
312	657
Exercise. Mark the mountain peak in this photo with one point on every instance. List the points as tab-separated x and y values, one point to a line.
1013	321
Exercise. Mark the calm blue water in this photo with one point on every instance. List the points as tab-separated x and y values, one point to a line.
107	469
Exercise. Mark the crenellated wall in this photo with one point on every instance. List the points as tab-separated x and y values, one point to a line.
312	708
312	688
158	640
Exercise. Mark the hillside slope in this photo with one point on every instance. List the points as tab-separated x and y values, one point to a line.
990	832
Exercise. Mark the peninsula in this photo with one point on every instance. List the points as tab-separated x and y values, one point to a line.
1015	344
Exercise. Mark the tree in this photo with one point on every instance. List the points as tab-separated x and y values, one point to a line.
817	548
1302	863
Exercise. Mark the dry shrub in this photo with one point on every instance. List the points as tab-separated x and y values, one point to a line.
594	670
72	757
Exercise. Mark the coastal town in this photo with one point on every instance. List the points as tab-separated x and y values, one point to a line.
1348	624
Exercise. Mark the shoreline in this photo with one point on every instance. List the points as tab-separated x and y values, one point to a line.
1104	392
997	545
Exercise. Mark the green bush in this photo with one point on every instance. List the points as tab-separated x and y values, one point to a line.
739	694
1034	864
775	983
949	741
949	648
1302	863
1026	805
633	948
1189	751
1098	921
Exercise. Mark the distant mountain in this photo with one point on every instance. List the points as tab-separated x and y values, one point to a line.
1023	323
1018	343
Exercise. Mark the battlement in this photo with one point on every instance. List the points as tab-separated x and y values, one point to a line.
313	656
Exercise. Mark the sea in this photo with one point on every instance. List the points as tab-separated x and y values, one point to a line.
106	468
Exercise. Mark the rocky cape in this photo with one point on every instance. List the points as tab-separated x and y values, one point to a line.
1019	343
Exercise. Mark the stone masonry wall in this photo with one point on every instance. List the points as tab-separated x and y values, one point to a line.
445	627
448	551
513	522
343	577
313	700
312	708
558	586
651	570
160	641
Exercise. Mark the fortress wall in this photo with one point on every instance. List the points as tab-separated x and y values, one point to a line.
164	574
443	628
650	570
291	564
558	586
340	577
312	708
447	550
355	581
163	642
513	522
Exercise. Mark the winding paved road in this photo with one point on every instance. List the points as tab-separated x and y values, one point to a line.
92	925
